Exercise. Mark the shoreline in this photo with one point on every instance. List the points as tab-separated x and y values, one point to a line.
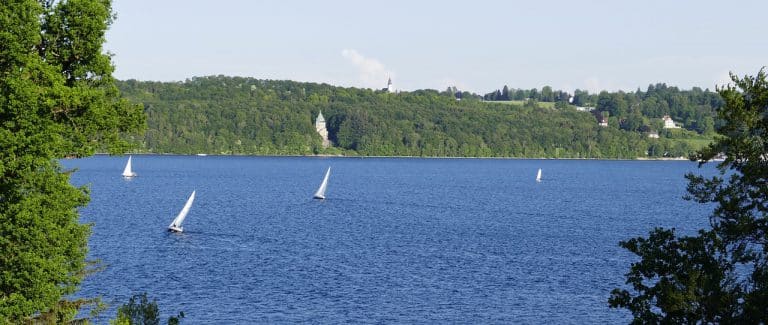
399	157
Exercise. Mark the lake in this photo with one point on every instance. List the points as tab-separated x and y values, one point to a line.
398	240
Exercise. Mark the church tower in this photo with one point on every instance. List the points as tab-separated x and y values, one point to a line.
390	87
320	127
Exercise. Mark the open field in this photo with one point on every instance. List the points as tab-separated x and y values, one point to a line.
520	102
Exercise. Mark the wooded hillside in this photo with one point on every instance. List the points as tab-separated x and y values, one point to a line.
234	115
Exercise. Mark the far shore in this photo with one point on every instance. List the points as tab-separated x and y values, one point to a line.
410	157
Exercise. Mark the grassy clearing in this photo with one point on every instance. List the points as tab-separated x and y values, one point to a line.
696	143
521	102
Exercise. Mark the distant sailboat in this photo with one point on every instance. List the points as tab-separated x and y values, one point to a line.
320	194
538	175
175	226
128	172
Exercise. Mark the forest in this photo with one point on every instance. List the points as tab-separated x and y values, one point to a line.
247	116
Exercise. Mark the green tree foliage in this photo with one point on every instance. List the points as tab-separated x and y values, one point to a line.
695	108
233	115
57	99
582	98
633	121
721	274
140	311
547	95
613	103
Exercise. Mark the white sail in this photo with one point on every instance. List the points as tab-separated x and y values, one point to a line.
176	224
538	175
320	194
127	172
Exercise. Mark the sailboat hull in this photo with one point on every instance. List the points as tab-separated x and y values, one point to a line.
175	229
318	197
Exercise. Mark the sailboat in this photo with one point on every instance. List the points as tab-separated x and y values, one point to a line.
538	175
175	226
320	194
128	172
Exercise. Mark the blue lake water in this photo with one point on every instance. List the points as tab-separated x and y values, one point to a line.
398	240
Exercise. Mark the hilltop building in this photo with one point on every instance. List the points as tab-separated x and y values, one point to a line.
320	127
390	88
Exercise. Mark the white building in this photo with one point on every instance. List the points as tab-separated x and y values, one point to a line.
390	88
320	127
669	123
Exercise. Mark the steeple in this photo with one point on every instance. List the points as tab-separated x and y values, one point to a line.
390	88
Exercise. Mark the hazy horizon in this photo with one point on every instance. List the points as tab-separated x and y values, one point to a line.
478	47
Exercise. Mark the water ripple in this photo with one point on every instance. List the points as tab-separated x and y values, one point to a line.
396	241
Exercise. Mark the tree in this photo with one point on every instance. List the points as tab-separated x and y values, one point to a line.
561	96
633	121
580	97
140	311
707	125
613	103
57	99
519	94
721	274
547	95
534	94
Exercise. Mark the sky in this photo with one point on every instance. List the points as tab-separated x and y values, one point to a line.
476	46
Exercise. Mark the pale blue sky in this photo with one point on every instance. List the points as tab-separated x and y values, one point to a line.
477	45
